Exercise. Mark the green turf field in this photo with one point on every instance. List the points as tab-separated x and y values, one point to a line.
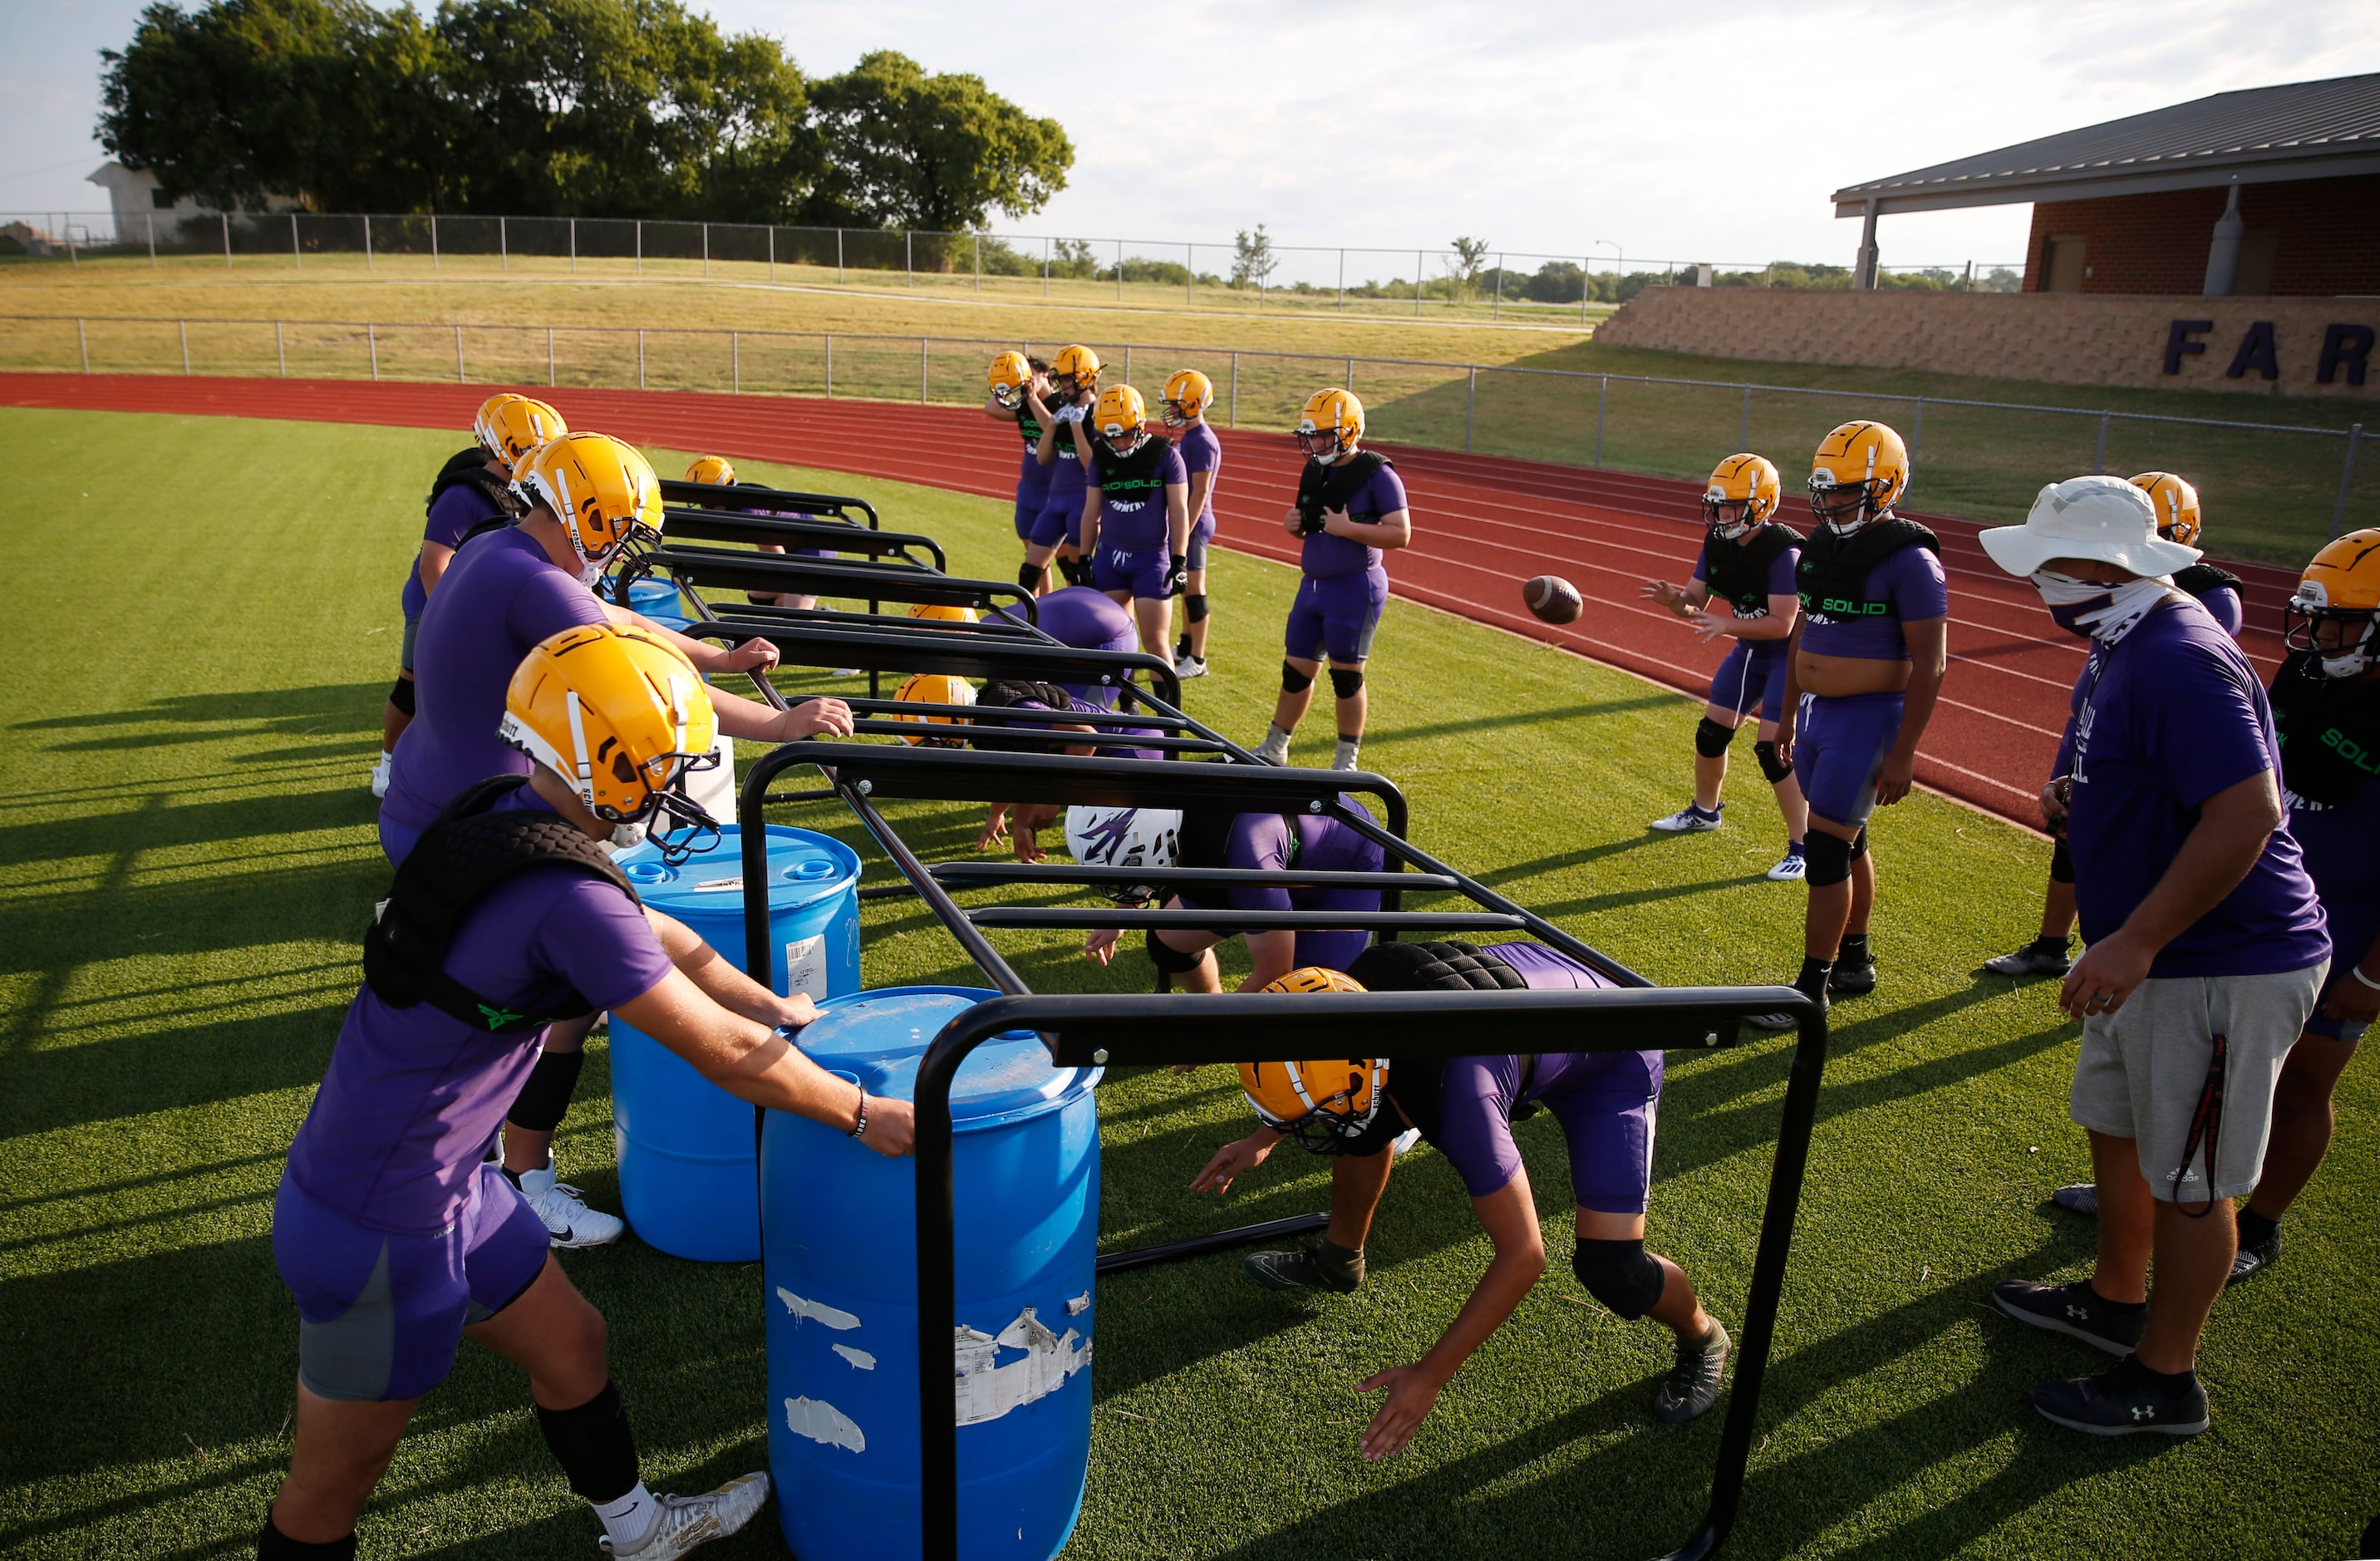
205	622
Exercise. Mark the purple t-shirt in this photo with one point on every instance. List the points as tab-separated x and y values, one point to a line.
1276	843
414	1097
1202	451
496	601
1911	583
1087	619
453	512
1324	555
2175	715
1081	706
1132	519
2223	605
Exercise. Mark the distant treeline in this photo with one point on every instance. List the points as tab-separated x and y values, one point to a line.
589	108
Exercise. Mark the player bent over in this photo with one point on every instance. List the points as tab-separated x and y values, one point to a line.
1863	669
1747	563
593	498
1350	507
1073	385
1261	842
1136	516
1606	1102
1029	819
1183	405
472	492
394	1234
2179	520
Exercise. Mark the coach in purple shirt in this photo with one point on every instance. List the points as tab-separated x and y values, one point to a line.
2206	948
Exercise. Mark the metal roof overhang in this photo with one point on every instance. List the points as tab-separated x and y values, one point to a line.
2094	182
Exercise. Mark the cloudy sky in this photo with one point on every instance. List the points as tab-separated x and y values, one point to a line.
1706	131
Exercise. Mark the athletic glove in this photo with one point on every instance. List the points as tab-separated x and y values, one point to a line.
1177	576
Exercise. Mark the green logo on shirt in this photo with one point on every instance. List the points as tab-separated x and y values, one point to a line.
499	1017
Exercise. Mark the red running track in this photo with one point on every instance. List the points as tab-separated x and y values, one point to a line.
1483	525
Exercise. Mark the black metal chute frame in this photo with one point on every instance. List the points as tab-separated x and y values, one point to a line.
750	497
1165	1028
723	525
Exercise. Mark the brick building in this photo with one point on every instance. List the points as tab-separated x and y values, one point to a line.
2270	192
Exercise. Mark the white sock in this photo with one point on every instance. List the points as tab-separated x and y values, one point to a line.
1346	758
630	1518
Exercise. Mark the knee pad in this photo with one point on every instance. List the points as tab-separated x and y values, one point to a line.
1829	860
401	695
1621	1275
1293	681
1194	605
1712	739
1776	769
1346	682
1170	959
2062	863
1029	575
1858	845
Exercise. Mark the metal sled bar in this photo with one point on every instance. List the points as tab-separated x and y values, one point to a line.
749	496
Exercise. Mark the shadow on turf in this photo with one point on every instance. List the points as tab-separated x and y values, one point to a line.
326	708
1530	718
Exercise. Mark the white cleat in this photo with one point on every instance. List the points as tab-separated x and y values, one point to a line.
1790	870
568	1221
1405	1141
1691	819
1187	667
847	672
380	775
685	1522
1274	749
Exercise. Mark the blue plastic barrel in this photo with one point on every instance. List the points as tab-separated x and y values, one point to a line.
840	1277
689	1172
658	599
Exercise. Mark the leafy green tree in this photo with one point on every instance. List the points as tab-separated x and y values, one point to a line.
1252	257
1470	260
904	148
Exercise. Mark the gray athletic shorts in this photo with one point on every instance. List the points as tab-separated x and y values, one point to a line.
405	646
2144	1070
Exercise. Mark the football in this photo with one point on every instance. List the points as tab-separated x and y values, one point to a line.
1553	599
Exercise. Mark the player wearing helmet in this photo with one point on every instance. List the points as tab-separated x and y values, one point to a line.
394	1236
1073	387
1355	1109
1863	668
1351	509
472	490
2179	520
1030	818
593	499
1262	842
1137	519
1747	563
1187	396
1011	376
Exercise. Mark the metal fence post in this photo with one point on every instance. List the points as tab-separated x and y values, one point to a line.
297	255
574	245
1470	401
1743	432
1232	412
925	366
549	357
1416	284
1350	381
504	244
1586	287
1917	432
640	358
371	344
433	241
82	340
908	258
183	326
153	239
830	352
706	251
1127	363
1602	395
1342	287
459	377
1120	276
772	253
978	262
1045	265
838	258
2099	458
1189	274
367	254
2345	480
227	232
735	361
1498	311
640	246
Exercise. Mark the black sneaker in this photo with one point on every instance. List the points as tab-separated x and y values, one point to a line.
1782	1019
1851	981
2124	1400
2078	1198
2033	959
2255	1256
1693	1383
2075	1310
1304	1269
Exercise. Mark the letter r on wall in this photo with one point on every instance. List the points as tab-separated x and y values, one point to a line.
2178	343
2344	344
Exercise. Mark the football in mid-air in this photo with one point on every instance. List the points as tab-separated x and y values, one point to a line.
1553	599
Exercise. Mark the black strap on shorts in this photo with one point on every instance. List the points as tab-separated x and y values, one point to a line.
2206	1124
465	853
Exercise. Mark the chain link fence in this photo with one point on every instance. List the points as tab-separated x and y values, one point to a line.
1475	283
2273	491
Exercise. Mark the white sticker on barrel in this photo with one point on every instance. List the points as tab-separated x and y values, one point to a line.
720	886
859	1357
817	1312
987	1391
805	966
821	1421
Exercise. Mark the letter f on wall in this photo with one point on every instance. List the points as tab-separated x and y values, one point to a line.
2178	343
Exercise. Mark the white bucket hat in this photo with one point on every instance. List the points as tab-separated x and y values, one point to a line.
2102	518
